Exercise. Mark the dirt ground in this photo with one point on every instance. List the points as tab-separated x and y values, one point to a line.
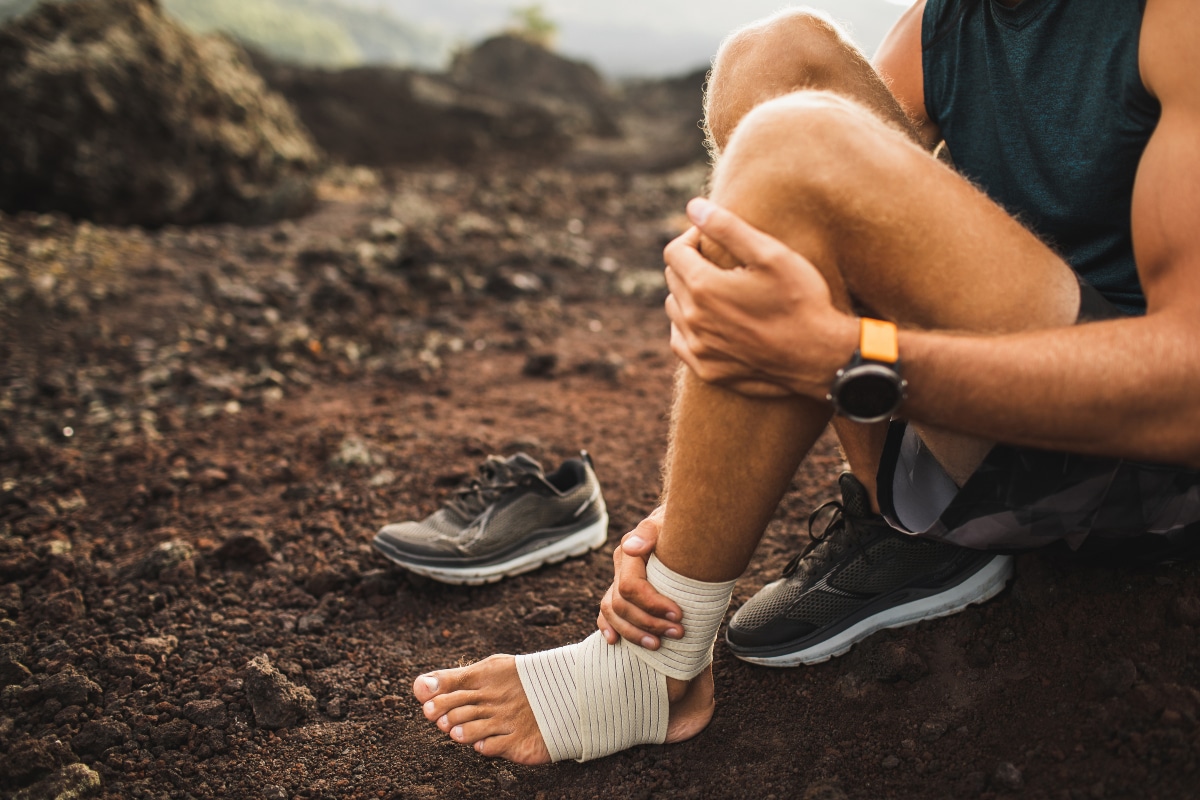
201	430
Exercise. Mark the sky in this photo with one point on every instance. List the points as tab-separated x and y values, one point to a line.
638	37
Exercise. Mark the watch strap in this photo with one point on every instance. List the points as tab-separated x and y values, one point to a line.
878	340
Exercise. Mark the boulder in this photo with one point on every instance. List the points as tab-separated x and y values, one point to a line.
114	113
518	70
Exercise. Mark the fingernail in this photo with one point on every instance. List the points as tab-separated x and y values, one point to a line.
636	542
672	616
429	707
674	633
699	209
648	642
431	683
456	732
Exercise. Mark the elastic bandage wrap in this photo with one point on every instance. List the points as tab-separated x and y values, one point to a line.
592	699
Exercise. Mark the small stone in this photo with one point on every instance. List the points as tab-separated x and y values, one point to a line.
540	365
276	701
933	730
12	671
354	452
244	549
158	646
1008	777
211	478
171	735
544	615
99	735
896	661
64	606
311	623
206	713
10	598
70	687
166	555
72	782
890	762
274	793
824	791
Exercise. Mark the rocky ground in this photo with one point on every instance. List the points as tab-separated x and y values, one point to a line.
201	429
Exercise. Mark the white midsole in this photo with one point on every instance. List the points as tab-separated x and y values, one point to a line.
981	586
578	543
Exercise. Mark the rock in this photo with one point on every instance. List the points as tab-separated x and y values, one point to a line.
158	646
1007	777
896	661
115	113
64	606
932	730
165	556
516	69
544	615
211	478
354	452
98	735
72	782
823	791
311	623
69	687
30	759
379	116
244	549
10	599
12	671
890	762
206	713
274	793
171	735
540	365
276	701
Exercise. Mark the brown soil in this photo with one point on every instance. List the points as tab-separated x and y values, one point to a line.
261	400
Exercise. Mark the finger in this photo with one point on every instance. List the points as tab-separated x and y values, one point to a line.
747	244
605	629
683	256
640	541
626	629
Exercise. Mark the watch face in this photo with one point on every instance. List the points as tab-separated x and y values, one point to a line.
869	393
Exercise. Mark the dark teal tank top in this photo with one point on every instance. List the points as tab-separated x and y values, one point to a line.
1043	107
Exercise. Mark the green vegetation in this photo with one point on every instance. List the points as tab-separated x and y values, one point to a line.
326	33
531	23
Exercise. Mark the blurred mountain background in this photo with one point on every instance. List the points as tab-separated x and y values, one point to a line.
621	38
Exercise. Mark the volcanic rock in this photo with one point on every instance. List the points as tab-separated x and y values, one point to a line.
276	701
114	113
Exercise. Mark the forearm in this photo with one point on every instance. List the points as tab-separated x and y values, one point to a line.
1127	388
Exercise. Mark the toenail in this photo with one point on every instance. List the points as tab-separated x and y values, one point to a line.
443	720
429	707
672	616
479	746
673	633
456	732
431	683
648	642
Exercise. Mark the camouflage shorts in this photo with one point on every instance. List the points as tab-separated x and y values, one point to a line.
1021	497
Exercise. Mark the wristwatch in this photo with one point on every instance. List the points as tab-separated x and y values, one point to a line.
869	388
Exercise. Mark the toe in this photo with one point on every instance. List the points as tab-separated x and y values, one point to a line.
475	730
445	703
461	714
426	686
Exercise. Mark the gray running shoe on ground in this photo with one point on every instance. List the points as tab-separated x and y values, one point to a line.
859	576
511	518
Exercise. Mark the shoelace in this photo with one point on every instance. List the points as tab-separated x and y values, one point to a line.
495	478
836	521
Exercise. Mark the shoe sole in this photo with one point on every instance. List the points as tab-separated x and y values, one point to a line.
582	541
983	585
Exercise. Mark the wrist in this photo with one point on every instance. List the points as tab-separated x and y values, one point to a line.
870	387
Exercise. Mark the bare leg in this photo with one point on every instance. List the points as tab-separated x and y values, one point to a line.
854	193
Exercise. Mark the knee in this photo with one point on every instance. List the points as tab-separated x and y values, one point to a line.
810	142
789	50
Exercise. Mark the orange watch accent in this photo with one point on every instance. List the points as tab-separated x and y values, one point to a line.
878	340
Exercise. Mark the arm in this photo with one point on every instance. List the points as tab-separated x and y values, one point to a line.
899	63
1141	377
1123	388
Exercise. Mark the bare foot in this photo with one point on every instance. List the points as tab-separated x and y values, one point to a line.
483	705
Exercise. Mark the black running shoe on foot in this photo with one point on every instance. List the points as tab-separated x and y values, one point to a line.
859	576
511	518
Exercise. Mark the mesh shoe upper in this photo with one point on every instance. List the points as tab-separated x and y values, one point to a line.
510	501
856	560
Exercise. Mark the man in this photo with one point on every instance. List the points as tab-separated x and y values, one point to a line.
829	224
